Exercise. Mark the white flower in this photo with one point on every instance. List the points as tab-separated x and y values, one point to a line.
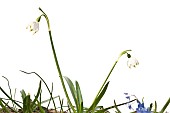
33	27
132	62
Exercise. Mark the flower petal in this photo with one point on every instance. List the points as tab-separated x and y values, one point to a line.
33	27
132	62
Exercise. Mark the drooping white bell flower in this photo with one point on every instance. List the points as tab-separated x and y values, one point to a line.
33	27
132	62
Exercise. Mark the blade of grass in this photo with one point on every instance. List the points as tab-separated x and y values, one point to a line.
69	108
61	105
40	107
26	104
51	97
165	106
23	94
45	85
155	109
10	98
40	100
9	88
3	106
37	95
14	99
14	106
111	107
7	106
44	101
118	111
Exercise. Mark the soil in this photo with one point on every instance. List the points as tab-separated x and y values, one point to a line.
36	111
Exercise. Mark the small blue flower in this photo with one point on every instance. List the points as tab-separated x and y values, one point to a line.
141	108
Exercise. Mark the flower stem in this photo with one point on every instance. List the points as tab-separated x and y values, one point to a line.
122	53
56	61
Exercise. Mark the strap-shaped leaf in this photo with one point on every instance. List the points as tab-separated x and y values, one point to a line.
99	97
79	98
72	89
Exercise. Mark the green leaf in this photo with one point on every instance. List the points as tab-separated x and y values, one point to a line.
73	90
165	106
27	104
155	107
79	97
37	95
47	100
23	94
99	97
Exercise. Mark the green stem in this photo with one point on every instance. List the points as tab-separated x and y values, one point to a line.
117	105
122	53
56	61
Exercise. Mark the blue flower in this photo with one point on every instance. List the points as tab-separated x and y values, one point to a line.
141	108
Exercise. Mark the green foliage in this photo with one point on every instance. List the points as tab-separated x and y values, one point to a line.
28	105
50	92
76	94
78	100
3	105
9	98
98	98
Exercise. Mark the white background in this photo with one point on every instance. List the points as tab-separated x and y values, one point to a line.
88	36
